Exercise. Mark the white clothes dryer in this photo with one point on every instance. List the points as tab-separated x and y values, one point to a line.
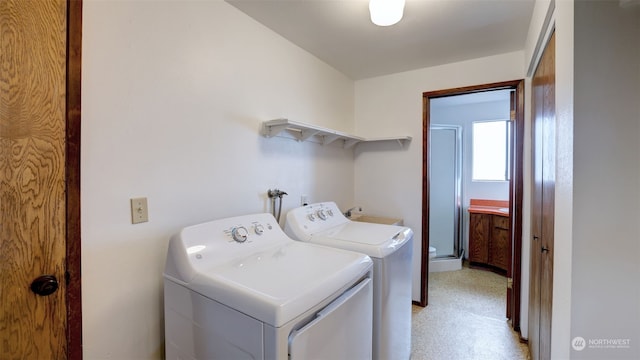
390	247
239	288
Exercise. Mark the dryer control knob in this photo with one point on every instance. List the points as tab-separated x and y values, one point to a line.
259	229
311	217
239	234
322	214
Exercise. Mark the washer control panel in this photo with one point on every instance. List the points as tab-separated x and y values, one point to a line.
306	220
320	214
321	211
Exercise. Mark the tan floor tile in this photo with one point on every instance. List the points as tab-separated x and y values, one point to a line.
465	319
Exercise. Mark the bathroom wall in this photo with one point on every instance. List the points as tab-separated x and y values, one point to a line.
173	96
464	115
388	178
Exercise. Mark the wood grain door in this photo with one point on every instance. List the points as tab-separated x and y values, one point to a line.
33	110
543	203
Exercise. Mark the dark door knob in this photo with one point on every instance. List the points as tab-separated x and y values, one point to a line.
44	285
545	249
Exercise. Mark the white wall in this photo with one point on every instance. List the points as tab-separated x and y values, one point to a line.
388	179
563	229
173	96
605	291
464	115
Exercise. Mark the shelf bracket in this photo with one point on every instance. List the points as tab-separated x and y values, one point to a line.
349	143
329	138
273	130
305	134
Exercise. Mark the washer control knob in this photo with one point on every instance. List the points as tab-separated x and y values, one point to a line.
322	214
259	229
311	217
330	212
239	234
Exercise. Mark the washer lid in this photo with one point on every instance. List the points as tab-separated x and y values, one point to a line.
375	240
279	283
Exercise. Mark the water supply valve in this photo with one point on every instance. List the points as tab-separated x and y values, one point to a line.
276	193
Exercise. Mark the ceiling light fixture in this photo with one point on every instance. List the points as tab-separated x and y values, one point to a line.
386	12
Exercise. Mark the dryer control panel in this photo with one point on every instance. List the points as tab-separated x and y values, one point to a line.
215	242
241	232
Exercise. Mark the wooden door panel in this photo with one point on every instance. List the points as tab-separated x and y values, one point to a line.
32	175
536	218
548	199
543	204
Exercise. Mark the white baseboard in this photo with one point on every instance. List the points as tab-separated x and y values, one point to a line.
439	265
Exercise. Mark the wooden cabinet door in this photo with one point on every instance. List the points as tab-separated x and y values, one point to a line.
500	241
479	238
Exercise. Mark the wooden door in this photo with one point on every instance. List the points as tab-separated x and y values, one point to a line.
33	167
543	202
512	196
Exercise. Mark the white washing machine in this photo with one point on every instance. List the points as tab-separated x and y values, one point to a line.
239	288
390	247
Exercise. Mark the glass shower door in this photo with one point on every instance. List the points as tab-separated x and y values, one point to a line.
445	204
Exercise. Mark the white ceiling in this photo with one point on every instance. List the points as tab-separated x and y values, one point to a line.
432	32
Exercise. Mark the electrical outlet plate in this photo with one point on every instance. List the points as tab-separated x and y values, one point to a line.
139	210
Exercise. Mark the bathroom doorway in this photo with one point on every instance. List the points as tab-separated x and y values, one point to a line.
513	186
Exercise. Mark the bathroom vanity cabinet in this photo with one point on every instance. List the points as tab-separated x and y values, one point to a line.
489	240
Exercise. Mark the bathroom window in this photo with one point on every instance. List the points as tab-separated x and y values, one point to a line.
491	150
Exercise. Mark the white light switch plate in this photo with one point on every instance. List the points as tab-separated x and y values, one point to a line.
139	210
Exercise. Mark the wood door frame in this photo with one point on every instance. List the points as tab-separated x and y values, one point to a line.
516	187
73	111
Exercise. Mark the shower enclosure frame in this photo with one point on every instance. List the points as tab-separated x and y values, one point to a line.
458	250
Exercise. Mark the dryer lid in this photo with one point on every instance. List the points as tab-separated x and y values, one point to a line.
280	283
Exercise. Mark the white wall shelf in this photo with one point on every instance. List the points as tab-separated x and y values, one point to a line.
303	132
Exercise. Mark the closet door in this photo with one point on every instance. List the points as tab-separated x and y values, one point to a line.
543	203
40	305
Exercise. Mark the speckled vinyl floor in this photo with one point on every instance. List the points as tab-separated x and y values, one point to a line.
465	319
